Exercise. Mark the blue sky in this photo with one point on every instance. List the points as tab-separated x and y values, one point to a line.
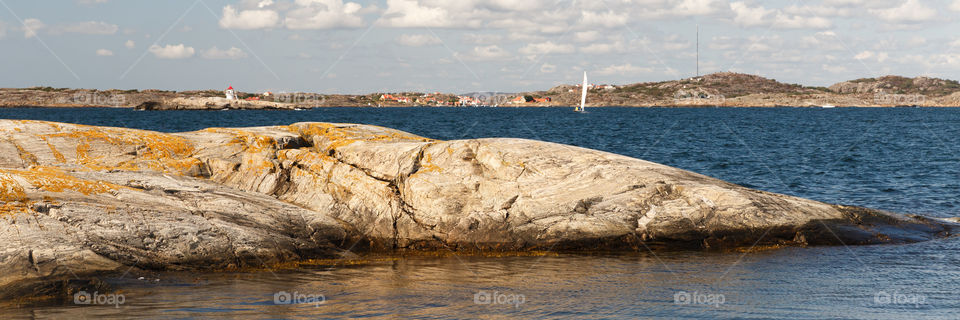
338	46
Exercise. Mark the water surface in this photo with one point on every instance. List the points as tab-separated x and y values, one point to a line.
903	160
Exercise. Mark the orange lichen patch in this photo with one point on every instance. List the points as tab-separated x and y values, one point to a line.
341	136
156	151
56	153
53	179
426	164
27	157
12	195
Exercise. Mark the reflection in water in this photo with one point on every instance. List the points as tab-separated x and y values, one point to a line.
828	282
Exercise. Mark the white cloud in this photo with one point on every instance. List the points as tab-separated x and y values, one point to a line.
324	14
485	53
482	38
179	51
609	19
548	68
910	11
216	53
248	19
130	44
413	14
31	27
264	4
623	69
104	53
586	36
87	27
549	47
955	6
839	69
602	48
747	16
418	40
867	55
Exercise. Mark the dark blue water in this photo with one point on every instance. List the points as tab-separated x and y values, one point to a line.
903	160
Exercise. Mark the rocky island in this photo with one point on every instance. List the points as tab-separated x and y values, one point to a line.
725	89
81	202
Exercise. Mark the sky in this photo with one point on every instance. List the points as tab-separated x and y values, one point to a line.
337	46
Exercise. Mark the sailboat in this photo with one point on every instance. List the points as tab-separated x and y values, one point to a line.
583	97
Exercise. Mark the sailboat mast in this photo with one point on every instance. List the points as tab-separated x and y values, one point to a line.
698	50
583	97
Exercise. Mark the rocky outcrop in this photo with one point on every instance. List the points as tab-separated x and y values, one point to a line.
898	85
80	201
210	104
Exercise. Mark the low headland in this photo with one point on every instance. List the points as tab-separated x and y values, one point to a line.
719	89
79	203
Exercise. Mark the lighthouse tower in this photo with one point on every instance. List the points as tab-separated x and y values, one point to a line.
231	94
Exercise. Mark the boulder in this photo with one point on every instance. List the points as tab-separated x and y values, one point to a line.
80	201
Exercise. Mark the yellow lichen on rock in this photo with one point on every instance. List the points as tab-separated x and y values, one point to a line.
28	158
12	195
52	179
155	151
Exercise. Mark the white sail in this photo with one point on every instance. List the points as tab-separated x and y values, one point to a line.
583	98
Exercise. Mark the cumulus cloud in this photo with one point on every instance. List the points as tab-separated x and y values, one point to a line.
413	14
549	47
324	14
622	69
747	16
909	12
601	48
955	6
418	40
129	44
484	53
87	27
31	27
217	53
179	51
548	68
248	19
609	19
104	53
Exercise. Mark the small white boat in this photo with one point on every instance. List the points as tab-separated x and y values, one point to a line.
583	97
828	106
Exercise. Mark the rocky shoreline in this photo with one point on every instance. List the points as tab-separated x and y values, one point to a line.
714	90
80	202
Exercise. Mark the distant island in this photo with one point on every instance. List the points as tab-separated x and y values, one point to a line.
725	89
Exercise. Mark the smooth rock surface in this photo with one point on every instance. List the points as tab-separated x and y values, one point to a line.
78	201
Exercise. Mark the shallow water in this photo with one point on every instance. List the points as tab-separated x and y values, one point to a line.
904	160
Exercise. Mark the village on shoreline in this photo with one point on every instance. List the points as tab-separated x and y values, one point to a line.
714	90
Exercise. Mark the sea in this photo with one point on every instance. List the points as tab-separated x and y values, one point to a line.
897	159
